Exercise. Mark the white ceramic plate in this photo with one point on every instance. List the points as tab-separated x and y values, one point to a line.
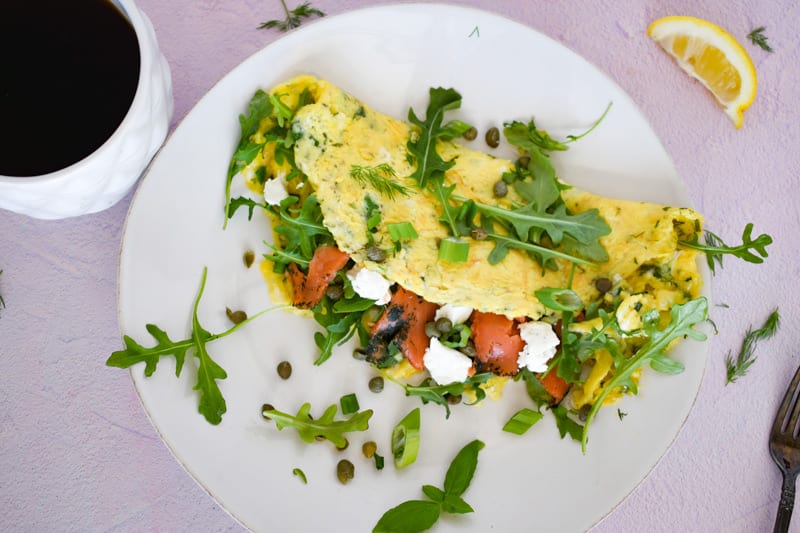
388	57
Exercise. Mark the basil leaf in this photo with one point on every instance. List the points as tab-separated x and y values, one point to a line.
413	515
461	470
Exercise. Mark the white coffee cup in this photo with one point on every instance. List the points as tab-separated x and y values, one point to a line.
102	178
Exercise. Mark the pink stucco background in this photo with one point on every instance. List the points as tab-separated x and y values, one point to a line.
77	452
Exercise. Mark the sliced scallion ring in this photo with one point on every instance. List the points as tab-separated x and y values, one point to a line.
405	439
454	250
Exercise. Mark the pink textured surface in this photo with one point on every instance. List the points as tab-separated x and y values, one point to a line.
79	454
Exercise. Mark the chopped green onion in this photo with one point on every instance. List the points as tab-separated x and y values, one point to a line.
559	299
349	404
522	421
378	462
454	250
299	473
402	231
405	439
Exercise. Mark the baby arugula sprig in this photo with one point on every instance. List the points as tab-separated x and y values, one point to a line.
211	404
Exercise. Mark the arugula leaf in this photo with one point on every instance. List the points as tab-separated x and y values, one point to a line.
211	404
294	17
302	231
683	319
715	248
566	425
420	515
422	150
427	391
325	426
243	201
738	367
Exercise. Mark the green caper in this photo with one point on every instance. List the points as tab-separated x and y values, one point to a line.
345	471
500	189
334	292
583	412
284	369
376	254
369	448
493	137
453	399
431	330
479	234
376	384
603	285
469	350
471	134
344	447
266	407
524	161
248	258
444	324
360	354
235	316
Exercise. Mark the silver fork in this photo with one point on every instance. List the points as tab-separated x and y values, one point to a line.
784	446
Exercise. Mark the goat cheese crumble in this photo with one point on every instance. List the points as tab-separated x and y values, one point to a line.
446	365
541	343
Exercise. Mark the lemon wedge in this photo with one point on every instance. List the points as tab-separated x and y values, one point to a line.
712	56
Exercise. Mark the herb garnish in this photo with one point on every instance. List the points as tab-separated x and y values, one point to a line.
212	404
419	515
325	426
758	38
293	18
429	391
302	475
381	178
738	367
715	248
683	319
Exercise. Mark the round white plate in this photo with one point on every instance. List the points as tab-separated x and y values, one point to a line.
388	57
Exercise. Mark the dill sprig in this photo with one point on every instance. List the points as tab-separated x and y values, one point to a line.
294	17
738	367
381	178
758	38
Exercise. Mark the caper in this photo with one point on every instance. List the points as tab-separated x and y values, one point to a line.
431	330
248	258
524	161
453	399
266	407
493	137
284	369
444	324
603	285
469	350
236	317
376	254
500	189
471	134
345	471
583	412
376	384
344	446
334	292
479	234
369	448
360	354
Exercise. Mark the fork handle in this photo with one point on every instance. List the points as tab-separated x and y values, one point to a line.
786	504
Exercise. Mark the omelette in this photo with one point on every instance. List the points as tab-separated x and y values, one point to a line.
337	182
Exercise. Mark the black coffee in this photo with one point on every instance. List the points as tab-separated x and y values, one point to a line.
68	74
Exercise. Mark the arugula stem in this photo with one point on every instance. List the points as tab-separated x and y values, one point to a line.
573	138
537	248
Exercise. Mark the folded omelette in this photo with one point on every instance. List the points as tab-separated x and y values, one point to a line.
335	132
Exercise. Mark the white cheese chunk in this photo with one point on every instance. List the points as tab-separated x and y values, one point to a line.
540	345
369	284
457	314
275	190
446	365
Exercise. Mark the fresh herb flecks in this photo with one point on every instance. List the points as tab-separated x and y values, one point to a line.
324	427
758	38
739	366
382	178
751	250
419	515
211	404
294	17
